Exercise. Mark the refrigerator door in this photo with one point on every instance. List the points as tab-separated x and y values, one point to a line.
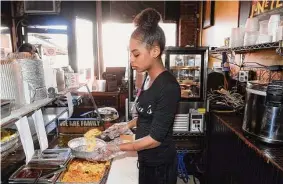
188	66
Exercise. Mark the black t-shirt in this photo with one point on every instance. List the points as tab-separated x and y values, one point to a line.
156	109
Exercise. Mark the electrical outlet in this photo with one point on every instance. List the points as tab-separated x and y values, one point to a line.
243	76
246	75
196	125
196	122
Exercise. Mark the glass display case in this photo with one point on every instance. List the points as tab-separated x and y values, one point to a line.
189	67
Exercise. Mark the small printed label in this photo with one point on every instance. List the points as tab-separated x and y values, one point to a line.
79	123
201	110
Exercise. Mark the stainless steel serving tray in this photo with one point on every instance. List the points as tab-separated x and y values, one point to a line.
10	144
10	150
51	157
36	174
11	139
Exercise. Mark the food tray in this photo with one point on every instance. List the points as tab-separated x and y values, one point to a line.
51	156
9	145
101	181
10	150
11	138
78	148
36	174
5	108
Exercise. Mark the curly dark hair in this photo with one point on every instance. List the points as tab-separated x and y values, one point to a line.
147	29
27	47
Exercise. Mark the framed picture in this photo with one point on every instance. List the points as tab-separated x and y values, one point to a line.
208	14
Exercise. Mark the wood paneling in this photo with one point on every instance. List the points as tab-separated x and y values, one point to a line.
226	18
125	11
189	23
5	13
244	13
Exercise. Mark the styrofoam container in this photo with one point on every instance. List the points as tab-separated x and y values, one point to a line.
279	33
273	24
252	24
101	85
263	27
237	37
250	38
264	38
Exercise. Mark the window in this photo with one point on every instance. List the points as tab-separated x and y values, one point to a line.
6	44
115	41
52	42
84	44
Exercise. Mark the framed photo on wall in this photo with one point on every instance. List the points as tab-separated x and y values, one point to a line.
208	14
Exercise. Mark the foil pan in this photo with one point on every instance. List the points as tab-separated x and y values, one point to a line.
103	180
11	138
8	151
8	145
78	148
108	113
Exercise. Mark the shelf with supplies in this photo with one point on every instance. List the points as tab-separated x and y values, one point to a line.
189	84
29	108
184	68
250	48
50	115
188	134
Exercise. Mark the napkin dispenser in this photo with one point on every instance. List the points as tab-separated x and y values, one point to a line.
111	82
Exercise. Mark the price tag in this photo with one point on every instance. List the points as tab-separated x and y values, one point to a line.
70	103
40	129
26	138
201	110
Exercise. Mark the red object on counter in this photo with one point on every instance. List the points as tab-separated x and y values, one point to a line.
29	173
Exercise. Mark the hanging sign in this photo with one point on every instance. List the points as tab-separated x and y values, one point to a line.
263	6
78	125
50	51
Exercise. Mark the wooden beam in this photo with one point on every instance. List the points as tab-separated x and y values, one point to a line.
13	29
47	31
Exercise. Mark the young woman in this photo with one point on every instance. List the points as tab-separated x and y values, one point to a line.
156	105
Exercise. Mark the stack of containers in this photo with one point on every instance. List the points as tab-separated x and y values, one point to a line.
263	33
279	33
273	26
49	74
10	90
30	76
71	78
251	28
237	37
60	79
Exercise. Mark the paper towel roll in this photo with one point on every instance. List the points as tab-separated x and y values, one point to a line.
10	89
101	85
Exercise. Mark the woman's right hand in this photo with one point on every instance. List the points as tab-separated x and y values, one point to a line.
107	152
116	130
